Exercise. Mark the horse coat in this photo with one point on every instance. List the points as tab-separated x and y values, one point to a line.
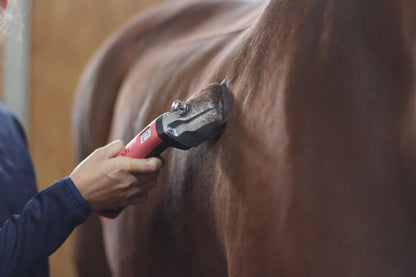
314	174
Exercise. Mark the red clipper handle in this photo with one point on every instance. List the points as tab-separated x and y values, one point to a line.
139	148
143	144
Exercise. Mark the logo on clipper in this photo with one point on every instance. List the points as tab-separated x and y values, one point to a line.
146	134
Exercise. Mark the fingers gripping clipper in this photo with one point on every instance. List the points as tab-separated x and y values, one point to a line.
201	118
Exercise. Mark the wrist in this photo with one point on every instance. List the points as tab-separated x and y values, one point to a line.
78	195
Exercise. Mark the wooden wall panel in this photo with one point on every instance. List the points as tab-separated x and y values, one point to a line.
65	35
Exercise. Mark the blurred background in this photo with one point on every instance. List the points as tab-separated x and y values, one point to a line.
43	56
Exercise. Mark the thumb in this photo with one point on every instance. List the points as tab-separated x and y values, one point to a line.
110	150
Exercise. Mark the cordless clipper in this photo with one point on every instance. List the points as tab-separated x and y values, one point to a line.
201	118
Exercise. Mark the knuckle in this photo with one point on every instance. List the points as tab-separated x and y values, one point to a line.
152	165
119	142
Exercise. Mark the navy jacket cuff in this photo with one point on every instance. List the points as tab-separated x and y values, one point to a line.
77	198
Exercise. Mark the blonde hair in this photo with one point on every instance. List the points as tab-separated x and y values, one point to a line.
8	19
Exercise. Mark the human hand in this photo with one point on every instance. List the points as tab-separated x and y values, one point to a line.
106	181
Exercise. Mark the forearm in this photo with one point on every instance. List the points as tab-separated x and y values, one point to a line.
44	224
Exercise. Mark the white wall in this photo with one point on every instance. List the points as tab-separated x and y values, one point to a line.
16	62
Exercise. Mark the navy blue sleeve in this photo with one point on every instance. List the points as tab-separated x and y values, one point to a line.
17	177
44	224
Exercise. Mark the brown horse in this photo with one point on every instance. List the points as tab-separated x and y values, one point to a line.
315	173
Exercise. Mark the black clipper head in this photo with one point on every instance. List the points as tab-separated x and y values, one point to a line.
203	117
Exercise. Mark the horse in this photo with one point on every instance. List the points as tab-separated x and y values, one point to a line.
314	174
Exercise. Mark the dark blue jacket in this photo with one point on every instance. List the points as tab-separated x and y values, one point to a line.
32	225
